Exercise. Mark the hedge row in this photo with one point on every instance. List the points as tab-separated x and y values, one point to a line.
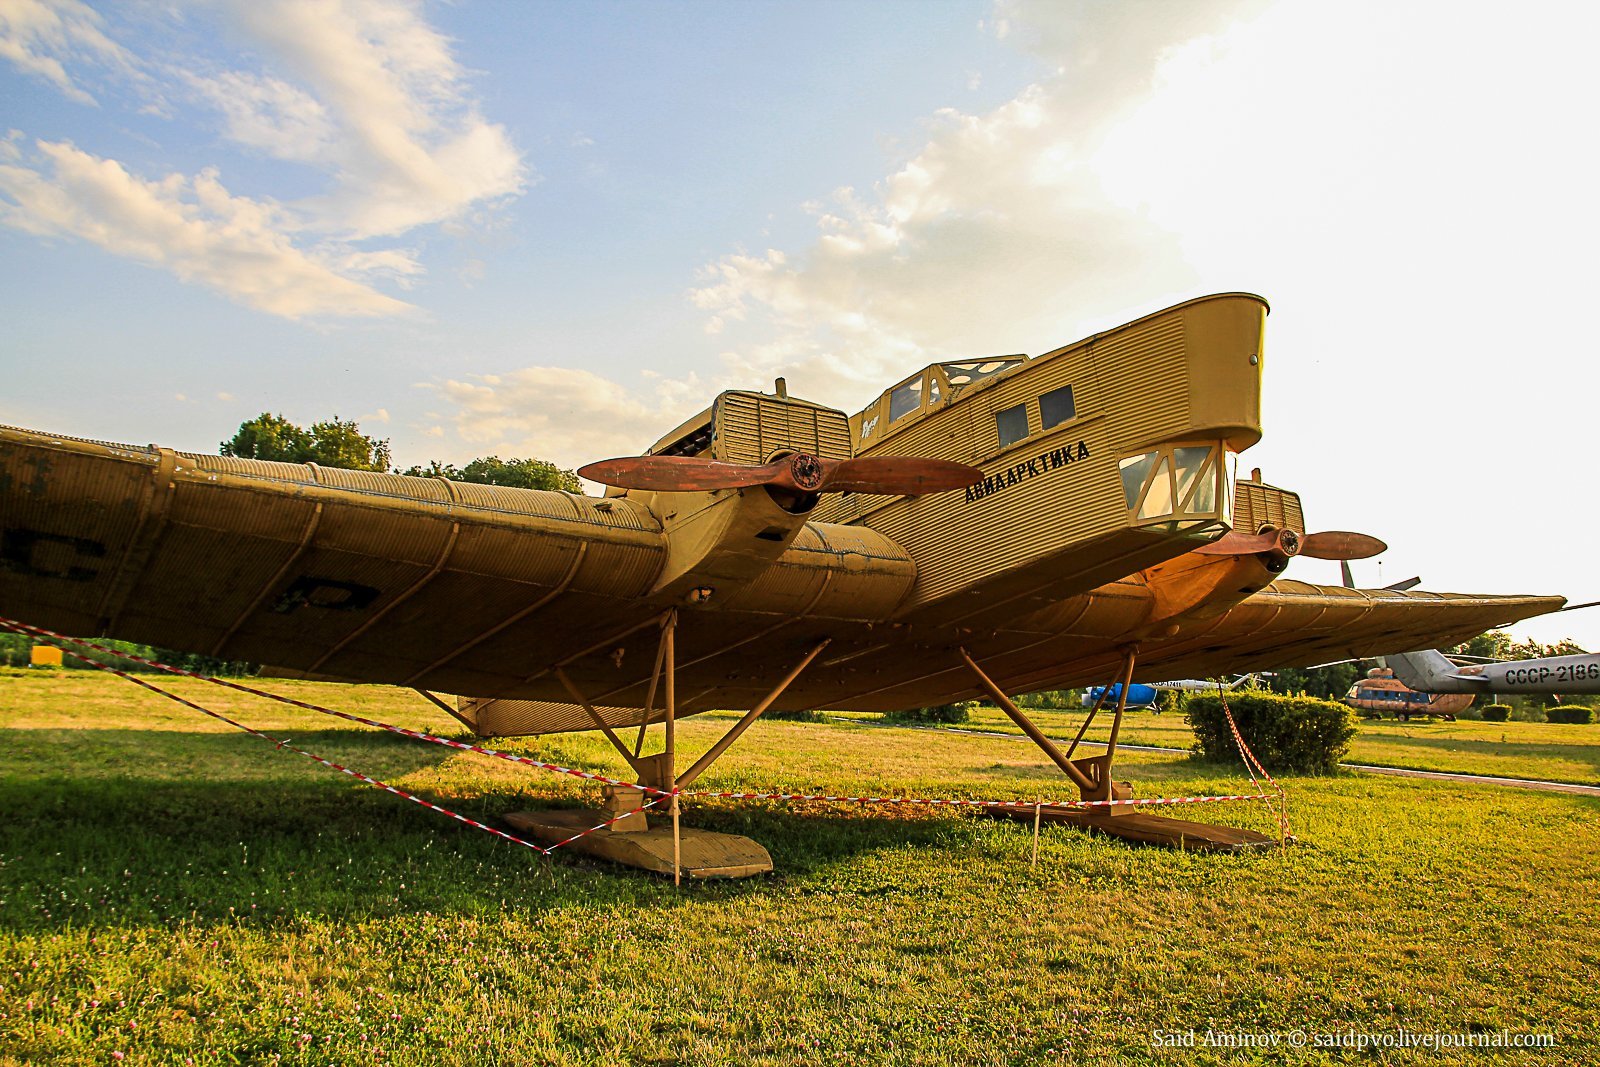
1302	735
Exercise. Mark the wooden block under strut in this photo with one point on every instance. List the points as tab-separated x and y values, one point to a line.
624	800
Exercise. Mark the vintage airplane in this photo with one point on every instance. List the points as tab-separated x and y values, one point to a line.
986	527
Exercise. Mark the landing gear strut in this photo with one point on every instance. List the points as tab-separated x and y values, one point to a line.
632	838
1092	774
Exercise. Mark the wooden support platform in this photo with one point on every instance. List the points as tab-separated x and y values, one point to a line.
1147	829
701	853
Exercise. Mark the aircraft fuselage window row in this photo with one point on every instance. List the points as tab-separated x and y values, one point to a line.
925	392
1055	407
1393	695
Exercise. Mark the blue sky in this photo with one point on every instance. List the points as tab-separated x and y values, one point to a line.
556	229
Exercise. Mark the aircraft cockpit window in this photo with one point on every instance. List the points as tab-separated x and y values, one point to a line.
977	370
1185	482
1135	472
905	399
1012	424
1056	407
1158	497
1189	464
933	388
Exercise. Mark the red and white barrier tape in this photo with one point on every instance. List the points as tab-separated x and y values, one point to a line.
284	743
659	794
961	802
418	735
1249	759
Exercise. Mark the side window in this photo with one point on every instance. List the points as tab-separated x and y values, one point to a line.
1056	407
1012	424
905	399
933	388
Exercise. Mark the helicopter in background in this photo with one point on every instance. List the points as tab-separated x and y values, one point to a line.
1381	693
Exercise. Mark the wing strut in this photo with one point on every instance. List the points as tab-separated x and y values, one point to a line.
750	716
1036	735
1091	774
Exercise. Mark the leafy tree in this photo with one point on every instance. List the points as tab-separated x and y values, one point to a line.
1494	644
492	470
1330	682
334	443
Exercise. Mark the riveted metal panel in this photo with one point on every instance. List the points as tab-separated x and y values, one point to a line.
1256	504
384	484
1146	381
256	468
831	571
751	426
68	511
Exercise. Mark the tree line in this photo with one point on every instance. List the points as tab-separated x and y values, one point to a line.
340	443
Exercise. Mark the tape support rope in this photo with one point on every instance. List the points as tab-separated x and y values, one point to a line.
657	795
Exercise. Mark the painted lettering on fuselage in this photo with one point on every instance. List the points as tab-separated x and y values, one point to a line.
1561	674
1023	470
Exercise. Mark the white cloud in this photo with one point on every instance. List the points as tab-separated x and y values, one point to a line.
363	92
270	114
996	236
41	36
385	103
192	227
565	415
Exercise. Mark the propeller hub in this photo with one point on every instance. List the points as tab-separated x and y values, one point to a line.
1288	542
807	471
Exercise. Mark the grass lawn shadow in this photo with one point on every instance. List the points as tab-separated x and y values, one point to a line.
169	827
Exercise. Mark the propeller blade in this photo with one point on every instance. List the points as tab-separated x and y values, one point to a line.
1340	544
898	476
799	472
1234	543
678	474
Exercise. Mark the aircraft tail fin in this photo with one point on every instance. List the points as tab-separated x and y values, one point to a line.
1427	671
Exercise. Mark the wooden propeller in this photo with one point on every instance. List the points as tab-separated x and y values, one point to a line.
799	472
1330	544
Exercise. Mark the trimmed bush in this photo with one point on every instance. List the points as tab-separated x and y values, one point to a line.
1496	712
942	713
1298	734
1576	715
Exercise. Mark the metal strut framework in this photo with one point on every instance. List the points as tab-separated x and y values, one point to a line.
658	773
1091	774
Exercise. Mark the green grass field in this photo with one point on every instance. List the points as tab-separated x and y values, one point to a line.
171	890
